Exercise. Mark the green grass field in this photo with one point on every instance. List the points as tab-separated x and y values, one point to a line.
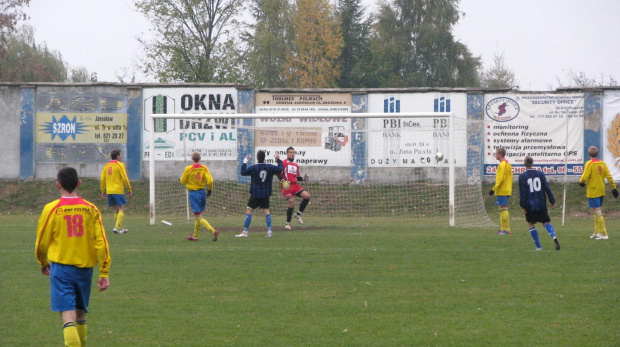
330	282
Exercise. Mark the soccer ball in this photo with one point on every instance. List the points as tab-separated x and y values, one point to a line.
439	156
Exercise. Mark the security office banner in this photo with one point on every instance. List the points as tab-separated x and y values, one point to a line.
176	139
546	127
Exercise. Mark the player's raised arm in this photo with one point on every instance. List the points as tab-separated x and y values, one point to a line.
245	171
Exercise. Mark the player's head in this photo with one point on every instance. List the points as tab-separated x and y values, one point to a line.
115	154
67	178
196	157
593	151
260	156
290	153
528	162
500	152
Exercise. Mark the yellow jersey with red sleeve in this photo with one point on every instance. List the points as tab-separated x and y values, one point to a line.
70	232
114	178
196	177
594	174
503	179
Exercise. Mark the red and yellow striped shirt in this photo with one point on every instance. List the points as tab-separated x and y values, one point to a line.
197	177
114	178
594	174
70	232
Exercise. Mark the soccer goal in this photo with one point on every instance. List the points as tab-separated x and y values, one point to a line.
420	166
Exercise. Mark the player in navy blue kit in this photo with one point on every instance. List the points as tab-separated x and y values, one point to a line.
533	193
260	188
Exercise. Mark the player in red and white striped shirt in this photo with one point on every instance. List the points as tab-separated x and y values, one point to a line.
290	178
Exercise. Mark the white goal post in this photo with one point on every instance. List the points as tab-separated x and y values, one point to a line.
387	159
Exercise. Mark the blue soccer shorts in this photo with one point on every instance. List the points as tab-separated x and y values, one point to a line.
501	200
69	287
198	200
116	200
595	202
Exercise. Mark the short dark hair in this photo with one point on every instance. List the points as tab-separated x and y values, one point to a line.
68	178
501	151
288	149
196	156
528	161
260	156
593	151
115	153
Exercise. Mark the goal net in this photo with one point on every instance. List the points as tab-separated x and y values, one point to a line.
418	166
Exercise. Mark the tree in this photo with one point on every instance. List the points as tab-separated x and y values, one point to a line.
268	42
126	75
317	46
190	37
498	76
355	56
231	67
579	79
10	14
79	75
413	46
23	61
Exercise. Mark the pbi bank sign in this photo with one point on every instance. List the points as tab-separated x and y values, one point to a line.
502	109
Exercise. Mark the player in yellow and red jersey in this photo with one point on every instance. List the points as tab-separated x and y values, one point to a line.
502	190
196	178
70	241
594	174
289	178
113	182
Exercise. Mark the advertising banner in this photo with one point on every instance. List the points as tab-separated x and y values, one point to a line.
318	141
414	142
79	127
611	132
546	127
176	139
303	102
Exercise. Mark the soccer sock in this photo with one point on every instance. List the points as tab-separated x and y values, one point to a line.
119	220
268	221
501	219
206	225
196	228
601	223
504	219
115	216
248	220
303	205
82	329
596	227
70	333
534	234
550	229
289	214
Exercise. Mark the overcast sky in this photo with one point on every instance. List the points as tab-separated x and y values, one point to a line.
541	39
